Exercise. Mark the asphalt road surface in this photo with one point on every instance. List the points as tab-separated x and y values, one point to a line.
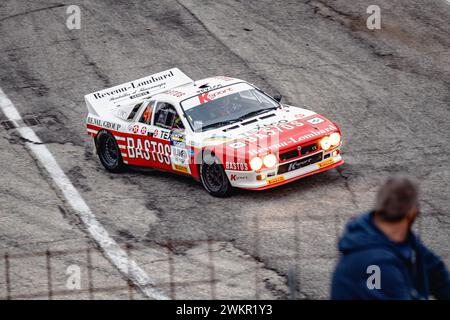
388	89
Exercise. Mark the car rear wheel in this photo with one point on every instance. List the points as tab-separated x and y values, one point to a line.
109	152
214	178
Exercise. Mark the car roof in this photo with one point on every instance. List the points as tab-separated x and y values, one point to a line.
180	93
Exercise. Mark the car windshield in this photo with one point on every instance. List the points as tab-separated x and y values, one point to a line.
226	105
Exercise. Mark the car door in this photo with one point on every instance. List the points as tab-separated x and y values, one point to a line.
169	134
158	139
158	129
139	140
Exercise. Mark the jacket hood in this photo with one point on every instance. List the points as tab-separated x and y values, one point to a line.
362	234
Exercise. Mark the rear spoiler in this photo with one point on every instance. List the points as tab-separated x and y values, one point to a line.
134	91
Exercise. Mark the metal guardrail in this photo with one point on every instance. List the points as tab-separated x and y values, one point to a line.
50	292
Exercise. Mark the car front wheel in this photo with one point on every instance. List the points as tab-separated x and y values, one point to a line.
214	178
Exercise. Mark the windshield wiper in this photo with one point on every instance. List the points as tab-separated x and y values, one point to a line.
220	124
255	113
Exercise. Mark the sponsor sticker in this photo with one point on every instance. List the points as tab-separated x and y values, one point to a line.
175	93
275	180
224	78
149	85
208	96
316	120
208	88
217	139
312	134
211	93
162	134
242	166
180	168
140	94
179	156
263	131
146	149
300	115
104	123
177	137
235	177
178	140
237	145
326	163
178	144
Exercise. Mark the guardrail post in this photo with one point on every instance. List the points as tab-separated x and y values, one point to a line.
130	283
7	277
212	271
89	273
49	274
256	255
171	269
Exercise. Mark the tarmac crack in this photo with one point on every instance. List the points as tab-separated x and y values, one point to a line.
345	177
436	212
91	63
356	23
233	53
18	140
32	11
29	81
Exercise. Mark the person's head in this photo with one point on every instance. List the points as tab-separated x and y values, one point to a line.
397	200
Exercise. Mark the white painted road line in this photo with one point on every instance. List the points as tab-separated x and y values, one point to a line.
115	254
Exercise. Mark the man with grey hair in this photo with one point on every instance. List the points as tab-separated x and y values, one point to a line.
381	258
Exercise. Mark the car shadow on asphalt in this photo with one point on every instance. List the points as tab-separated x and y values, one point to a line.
327	178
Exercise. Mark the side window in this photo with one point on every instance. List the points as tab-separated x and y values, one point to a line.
167	117
134	111
148	112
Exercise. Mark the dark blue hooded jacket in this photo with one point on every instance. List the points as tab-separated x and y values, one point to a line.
407	271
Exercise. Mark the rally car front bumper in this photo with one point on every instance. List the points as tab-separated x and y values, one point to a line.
285	172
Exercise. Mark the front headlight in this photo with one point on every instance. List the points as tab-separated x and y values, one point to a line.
256	163
335	138
325	143
270	160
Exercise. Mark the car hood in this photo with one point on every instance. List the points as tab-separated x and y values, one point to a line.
279	129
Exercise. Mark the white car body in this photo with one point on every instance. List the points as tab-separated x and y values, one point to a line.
280	131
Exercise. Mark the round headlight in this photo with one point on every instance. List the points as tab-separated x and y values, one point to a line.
335	138
270	160
256	163
325	143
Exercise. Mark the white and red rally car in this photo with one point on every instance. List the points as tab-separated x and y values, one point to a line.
221	131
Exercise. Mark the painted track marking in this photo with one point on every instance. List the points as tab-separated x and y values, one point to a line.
114	253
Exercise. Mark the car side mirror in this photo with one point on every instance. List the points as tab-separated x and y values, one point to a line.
278	97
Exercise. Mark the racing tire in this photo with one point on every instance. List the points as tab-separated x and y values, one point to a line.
214	179
108	152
